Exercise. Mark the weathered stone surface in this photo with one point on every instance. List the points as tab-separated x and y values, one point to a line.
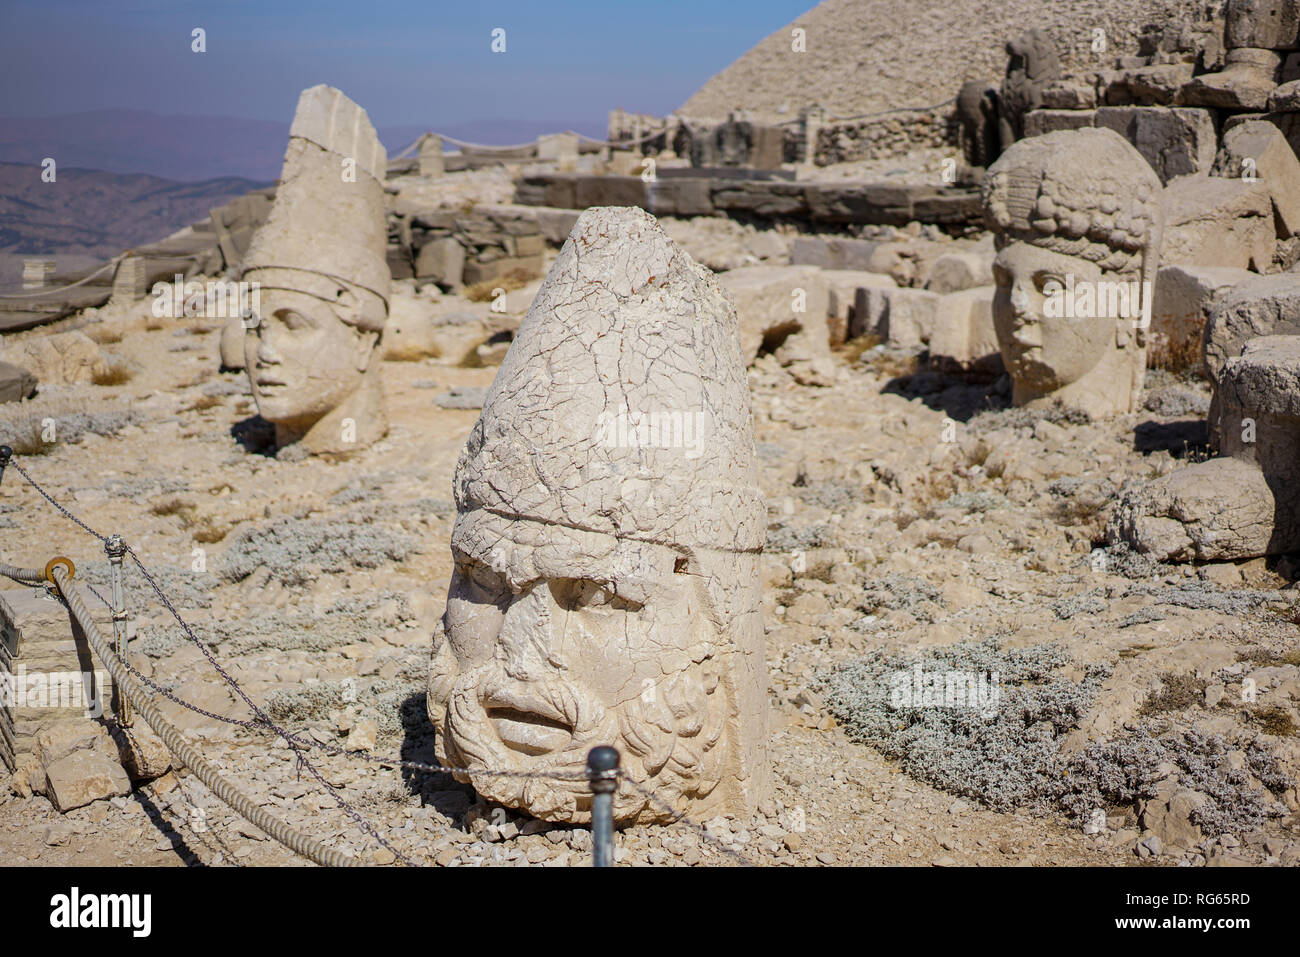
231	346
1184	299
1263	24
1285	98
782	309
84	777
1156	85
833	253
1070	93
1265	378
64	358
583	542
900	317
142	753
1084	206
766	199
842	287
322	254
477	272
15	382
953	272
1258	306
443	261
1210	221
430	156
680	196
1220	510
1049	121
1170	818
1176	141
1245	82
1257	149
608	191
964	335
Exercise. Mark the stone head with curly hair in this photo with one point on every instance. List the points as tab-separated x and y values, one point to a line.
1078	226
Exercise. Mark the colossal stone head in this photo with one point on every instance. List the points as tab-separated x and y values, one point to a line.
606	586
319	262
1078	221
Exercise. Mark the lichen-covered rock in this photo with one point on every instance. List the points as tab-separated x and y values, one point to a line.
63	358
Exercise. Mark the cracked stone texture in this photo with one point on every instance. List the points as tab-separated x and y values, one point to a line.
606	585
321	255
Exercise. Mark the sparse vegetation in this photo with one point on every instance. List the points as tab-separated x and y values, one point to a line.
514	279
1177	693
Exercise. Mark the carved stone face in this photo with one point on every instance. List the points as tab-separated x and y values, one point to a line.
558	640
302	359
1042	351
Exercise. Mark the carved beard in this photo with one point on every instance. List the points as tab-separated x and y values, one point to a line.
668	739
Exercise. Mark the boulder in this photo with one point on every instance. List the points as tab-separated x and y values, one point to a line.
84	777
16	383
1220	510
1245	83
1258	149
833	253
1176	141
443	261
64	358
1210	221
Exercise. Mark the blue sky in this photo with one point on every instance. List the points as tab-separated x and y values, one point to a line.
406	62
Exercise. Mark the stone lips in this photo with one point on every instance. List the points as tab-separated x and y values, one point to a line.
542	449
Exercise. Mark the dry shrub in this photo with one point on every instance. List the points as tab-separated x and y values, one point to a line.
514	279
1181	357
851	350
103	333
116	371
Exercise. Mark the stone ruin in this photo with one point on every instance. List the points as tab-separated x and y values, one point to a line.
320	262
606	585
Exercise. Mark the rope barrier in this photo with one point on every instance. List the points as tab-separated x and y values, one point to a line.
112	263
177	744
131	684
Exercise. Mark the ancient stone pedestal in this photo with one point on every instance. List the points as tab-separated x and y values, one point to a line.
431	165
37	273
129	281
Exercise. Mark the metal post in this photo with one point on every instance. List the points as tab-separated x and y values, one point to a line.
602	772
6	453
116	549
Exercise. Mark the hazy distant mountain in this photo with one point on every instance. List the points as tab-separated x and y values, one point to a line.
94	213
198	148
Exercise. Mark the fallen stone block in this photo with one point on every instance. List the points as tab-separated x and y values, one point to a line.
443	261
782	310
899	317
1257	149
64	358
16	383
967	269
608	191
1210	221
1176	141
477	272
964	337
1245	82
842	287
767	199
1038	122
680	196
832	253
1158	85
84	777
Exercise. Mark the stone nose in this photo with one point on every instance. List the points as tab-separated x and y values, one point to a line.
525	637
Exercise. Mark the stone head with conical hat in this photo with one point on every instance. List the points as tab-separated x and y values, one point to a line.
606	586
319	262
1078	225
